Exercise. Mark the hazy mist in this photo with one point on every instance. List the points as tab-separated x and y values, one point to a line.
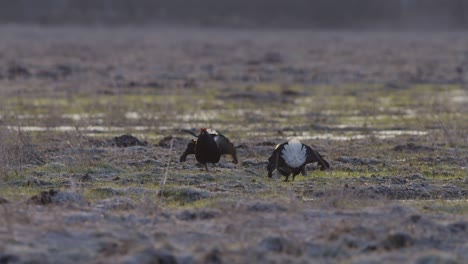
321	14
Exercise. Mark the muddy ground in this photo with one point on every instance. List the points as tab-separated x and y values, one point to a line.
387	110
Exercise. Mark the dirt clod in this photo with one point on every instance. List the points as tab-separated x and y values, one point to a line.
151	256
214	256
397	240
272	57
458	227
266	207
58	197
280	245
415	218
189	215
3	200
44	197
18	71
8	258
125	141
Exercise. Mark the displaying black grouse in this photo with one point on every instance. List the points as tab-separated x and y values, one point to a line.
209	147
291	158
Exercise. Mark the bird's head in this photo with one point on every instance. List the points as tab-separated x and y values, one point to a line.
203	131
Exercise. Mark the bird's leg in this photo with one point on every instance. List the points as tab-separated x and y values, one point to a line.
206	167
285	180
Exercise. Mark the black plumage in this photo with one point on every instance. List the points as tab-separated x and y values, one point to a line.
291	158
209	147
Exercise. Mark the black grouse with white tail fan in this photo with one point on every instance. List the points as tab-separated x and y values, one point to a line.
208	147
291	158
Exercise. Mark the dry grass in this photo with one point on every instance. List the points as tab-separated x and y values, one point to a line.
332	94
162	184
16	151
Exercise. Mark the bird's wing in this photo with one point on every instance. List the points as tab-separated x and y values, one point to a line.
275	159
225	146
314	156
189	150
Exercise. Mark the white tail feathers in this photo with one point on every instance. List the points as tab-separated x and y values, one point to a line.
294	153
212	131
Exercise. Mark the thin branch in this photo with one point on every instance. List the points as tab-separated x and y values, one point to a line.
166	172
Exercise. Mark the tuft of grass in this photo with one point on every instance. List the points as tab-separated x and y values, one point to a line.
16	152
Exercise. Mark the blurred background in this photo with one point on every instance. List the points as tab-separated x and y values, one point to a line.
330	14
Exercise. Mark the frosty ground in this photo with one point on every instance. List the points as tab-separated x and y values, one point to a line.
388	111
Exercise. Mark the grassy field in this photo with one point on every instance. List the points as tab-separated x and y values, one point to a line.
389	111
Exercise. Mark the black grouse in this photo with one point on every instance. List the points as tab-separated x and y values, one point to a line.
208	147
291	158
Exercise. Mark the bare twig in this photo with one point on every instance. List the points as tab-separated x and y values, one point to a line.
166	172
447	134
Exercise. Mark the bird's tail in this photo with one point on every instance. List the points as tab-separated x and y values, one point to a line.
189	131
324	165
